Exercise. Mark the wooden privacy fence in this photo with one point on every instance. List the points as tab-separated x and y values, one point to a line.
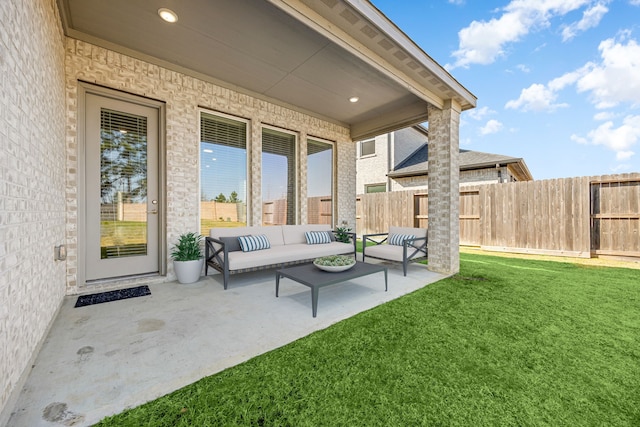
581	217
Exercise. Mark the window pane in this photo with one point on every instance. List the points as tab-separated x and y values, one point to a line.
376	188
123	186
223	173
368	147
278	178
319	182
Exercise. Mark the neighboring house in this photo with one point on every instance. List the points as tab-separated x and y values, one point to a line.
109	114
399	161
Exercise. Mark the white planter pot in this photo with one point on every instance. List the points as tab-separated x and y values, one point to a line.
188	271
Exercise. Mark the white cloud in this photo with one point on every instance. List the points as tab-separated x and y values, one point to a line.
617	78
619	139
590	18
567	79
480	113
492	126
634	2
536	97
624	155
604	115
456	2
482	42
523	68
579	139
621	167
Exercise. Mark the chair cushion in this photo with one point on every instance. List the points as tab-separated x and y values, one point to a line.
417	232
317	237
254	243
398	239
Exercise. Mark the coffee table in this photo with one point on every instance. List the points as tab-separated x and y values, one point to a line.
311	276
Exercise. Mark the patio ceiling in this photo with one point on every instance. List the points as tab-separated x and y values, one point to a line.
311	55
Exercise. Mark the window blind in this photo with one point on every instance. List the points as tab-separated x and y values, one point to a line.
224	131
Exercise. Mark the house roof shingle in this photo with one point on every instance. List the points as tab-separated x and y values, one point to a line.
417	163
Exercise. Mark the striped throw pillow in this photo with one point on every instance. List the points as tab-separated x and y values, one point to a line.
316	237
398	239
254	243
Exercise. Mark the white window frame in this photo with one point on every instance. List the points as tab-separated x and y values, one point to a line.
371	141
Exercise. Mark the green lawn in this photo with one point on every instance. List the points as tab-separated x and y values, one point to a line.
506	342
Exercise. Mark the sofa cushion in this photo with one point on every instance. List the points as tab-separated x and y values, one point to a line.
398	239
295	233
273	232
317	237
285	254
254	243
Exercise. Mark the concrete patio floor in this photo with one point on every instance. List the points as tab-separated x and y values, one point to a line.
101	359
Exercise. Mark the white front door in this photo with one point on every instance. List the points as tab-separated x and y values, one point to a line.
121	188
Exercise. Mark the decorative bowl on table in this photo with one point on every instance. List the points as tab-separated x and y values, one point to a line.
334	263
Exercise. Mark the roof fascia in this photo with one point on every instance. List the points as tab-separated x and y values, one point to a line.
376	17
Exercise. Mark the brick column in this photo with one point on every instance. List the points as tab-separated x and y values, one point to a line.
444	191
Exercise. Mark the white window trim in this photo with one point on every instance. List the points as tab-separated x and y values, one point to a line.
363	156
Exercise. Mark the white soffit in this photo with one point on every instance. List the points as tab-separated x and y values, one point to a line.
307	55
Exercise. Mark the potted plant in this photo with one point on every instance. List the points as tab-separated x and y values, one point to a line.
187	257
342	233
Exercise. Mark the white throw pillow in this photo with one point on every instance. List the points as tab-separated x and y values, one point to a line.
254	243
398	239
317	237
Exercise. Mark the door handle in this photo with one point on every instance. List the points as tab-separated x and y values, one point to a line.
153	212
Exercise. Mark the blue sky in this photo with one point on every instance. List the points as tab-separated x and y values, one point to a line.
557	81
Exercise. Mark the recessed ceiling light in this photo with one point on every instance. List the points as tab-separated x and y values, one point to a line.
168	15
354	99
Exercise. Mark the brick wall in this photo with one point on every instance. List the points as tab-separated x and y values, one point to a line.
444	196
32	182
183	95
373	169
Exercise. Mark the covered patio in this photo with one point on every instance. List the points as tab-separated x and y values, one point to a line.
101	359
335	71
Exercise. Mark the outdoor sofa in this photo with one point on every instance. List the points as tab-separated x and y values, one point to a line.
241	249
400	244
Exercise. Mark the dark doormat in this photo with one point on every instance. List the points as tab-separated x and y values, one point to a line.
109	296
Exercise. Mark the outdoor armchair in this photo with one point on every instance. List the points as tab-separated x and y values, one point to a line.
400	244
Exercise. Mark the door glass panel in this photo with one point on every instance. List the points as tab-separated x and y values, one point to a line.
123	184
